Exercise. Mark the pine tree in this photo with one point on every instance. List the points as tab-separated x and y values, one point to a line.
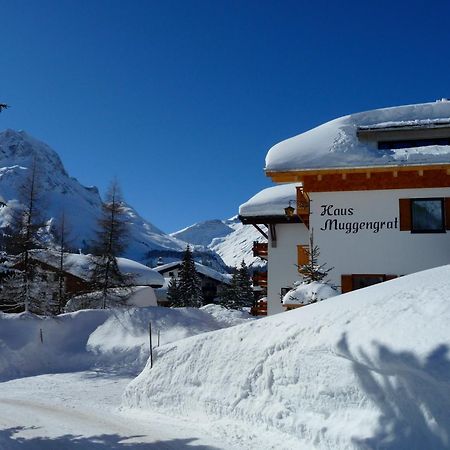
61	233
312	270
245	290
27	285
190	285
239	293
173	292
110	243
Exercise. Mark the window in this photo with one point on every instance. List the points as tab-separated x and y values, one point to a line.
427	215
362	281
424	215
412	143
359	281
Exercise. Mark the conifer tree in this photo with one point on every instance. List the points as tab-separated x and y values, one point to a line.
190	285
173	292
245	290
312	270
110	243
239	293
26	286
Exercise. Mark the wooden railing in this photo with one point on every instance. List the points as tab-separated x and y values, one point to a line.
260	279
303	205
260	249
259	308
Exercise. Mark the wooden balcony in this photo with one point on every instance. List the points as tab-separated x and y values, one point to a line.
260	279
303	205
260	250
259	308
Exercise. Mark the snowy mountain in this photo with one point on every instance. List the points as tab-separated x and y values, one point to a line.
58	193
230	239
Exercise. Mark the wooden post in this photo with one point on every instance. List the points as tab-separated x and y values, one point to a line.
159	335
151	348
41	335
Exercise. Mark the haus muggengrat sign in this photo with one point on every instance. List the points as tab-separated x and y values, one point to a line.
343	219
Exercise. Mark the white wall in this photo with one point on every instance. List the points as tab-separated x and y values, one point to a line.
282	264
390	251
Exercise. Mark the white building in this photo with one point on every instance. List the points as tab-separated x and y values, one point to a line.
373	187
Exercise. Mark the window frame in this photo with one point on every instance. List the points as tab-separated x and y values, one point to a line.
437	231
367	275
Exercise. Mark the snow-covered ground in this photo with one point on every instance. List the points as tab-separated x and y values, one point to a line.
81	411
364	370
65	391
115	339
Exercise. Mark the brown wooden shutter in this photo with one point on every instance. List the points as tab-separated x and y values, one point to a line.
447	213
346	283
405	214
302	255
390	277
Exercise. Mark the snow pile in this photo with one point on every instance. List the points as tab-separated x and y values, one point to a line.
306	293
367	369
335	144
111	340
271	201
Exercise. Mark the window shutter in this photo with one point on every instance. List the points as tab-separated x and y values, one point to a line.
346	283
405	214
447	213
302	255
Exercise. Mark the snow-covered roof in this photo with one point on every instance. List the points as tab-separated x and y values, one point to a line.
204	270
81	266
270	201
335	144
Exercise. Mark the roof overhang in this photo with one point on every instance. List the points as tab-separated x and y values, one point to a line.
299	175
266	220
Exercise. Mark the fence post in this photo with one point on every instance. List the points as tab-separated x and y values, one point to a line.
41	335
159	335
151	347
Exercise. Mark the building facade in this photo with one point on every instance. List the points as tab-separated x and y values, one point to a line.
373	189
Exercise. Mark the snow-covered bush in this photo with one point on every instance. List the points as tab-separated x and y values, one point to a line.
305	293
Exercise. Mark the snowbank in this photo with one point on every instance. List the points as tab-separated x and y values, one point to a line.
335	144
306	293
110	340
367	369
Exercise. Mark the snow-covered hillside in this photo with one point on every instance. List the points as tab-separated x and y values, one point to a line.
367	369
58	193
230	239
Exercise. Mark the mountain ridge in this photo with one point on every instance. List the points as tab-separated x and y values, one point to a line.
81	204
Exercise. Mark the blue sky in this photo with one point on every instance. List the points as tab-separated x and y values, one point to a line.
180	100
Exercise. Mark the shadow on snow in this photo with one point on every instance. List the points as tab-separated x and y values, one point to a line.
100	442
412	395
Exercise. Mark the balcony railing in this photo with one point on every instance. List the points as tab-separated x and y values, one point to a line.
260	249
303	205
260	279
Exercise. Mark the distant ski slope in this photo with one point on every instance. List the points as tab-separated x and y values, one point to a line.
230	239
